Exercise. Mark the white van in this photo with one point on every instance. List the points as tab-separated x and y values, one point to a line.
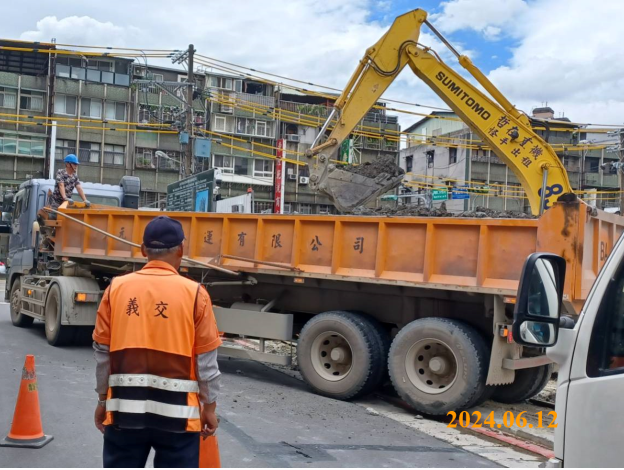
590	355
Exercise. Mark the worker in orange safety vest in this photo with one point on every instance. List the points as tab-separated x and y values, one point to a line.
155	343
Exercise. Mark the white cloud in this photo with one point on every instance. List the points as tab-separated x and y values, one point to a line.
82	30
490	17
571	60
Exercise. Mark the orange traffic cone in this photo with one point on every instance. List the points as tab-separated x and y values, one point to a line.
209	453
26	430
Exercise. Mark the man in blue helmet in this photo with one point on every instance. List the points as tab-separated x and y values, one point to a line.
66	181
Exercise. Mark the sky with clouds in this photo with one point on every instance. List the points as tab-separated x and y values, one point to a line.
564	52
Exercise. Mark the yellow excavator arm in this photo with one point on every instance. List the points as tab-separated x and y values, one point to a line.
499	124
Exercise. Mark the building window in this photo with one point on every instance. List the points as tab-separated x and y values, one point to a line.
262	128
156	77
452	155
253	127
171	162
168	114
245	126
220	123
324	209
8	145
115	111
89	152
8	98
241	166
64	104
263	207
25	146
409	163
226	83
225	163
263	168
305	209
91	108
145	158
430	154
64	148
287	208
114	154
31	100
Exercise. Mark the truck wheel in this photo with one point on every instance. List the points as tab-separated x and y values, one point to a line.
439	365
57	334
527	384
341	354
18	319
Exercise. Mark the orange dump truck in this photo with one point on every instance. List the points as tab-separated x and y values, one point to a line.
427	299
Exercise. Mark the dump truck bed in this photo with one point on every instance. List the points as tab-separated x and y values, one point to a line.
449	253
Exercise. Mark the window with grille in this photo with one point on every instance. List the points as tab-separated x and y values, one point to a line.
305	209
89	152
145	158
64	148
171	162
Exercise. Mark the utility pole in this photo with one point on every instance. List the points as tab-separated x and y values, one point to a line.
188	157
188	123
620	169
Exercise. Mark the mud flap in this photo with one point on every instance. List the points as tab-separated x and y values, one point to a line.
501	349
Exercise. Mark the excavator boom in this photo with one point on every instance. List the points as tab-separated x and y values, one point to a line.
499	124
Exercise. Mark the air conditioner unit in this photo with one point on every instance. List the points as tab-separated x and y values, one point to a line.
292	137
227	109
290	171
304	180
238	208
140	71
292	177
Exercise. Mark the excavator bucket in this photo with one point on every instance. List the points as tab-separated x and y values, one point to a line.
350	190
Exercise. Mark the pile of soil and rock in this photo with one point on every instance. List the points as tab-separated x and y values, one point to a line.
415	210
375	168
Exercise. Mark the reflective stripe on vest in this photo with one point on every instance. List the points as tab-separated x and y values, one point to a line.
148	380
149	406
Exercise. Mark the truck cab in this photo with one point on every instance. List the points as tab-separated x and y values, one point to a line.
21	211
589	352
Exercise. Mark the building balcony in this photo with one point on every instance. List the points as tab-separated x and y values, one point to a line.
606	180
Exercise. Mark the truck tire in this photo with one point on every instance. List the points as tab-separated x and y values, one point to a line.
439	365
18	319
56	333
527	384
342	355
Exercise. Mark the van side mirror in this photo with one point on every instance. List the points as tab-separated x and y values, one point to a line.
7	202
539	300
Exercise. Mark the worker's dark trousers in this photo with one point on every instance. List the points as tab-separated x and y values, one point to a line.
130	448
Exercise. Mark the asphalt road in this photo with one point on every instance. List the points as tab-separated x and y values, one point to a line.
268	419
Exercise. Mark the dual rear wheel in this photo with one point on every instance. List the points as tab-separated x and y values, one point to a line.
435	364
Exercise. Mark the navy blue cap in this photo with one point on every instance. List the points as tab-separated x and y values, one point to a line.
163	232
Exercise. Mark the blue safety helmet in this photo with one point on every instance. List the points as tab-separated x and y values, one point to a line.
71	158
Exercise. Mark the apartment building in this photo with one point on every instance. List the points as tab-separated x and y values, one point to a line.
437	153
124	118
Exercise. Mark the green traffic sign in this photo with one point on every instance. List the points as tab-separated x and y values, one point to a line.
439	194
